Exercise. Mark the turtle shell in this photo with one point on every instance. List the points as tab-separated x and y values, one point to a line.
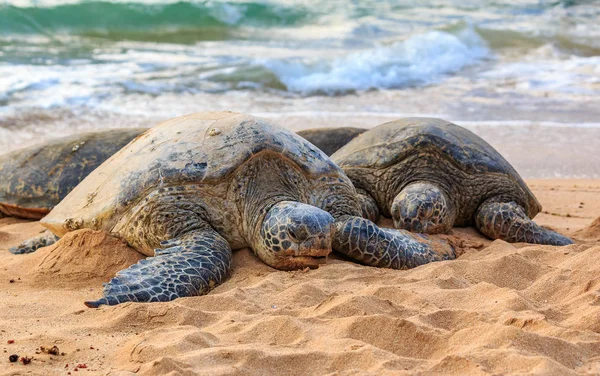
393	143
34	179
329	140
201	148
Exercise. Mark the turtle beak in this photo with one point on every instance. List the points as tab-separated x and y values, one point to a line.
311	253
312	262
314	252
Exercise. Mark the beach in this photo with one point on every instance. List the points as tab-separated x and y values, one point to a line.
522	75
499	308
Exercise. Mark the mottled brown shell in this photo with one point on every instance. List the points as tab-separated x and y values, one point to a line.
392	143
201	148
34	179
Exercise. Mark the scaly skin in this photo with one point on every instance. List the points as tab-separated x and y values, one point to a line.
364	241
193	258
423	207
294	236
31	245
189	265
198	186
430	175
508	221
369	207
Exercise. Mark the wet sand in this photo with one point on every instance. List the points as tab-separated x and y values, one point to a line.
499	309
536	148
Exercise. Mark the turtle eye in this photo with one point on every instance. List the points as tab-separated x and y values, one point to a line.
292	234
297	234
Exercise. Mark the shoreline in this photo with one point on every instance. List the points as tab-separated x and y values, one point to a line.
546	149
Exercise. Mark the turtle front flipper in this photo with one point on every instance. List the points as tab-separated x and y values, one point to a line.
189	265
364	241
508	221
31	245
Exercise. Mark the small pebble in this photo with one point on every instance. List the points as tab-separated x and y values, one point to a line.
13	358
214	132
50	350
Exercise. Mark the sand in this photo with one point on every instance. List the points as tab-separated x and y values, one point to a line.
499	309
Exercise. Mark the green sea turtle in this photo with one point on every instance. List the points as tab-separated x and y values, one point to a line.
193	188
34	179
429	175
329	140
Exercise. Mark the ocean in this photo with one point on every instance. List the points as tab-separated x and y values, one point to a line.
68	66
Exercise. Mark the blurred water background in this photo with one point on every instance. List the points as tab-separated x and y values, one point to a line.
68	65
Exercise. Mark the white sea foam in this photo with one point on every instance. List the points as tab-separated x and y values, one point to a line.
421	59
573	75
226	13
312	50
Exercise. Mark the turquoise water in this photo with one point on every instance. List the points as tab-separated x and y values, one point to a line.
176	22
128	63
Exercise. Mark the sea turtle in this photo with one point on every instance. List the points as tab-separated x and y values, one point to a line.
193	188
34	179
429	175
329	140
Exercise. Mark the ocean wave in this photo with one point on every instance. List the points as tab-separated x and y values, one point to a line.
419	60
130	20
572	75
584	43
422	59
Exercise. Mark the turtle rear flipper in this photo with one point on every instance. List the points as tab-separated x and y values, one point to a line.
508	221
31	245
190	265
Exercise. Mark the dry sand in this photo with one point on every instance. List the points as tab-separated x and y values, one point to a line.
499	309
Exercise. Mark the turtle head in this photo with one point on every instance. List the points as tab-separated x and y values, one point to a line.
423	207
294	236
